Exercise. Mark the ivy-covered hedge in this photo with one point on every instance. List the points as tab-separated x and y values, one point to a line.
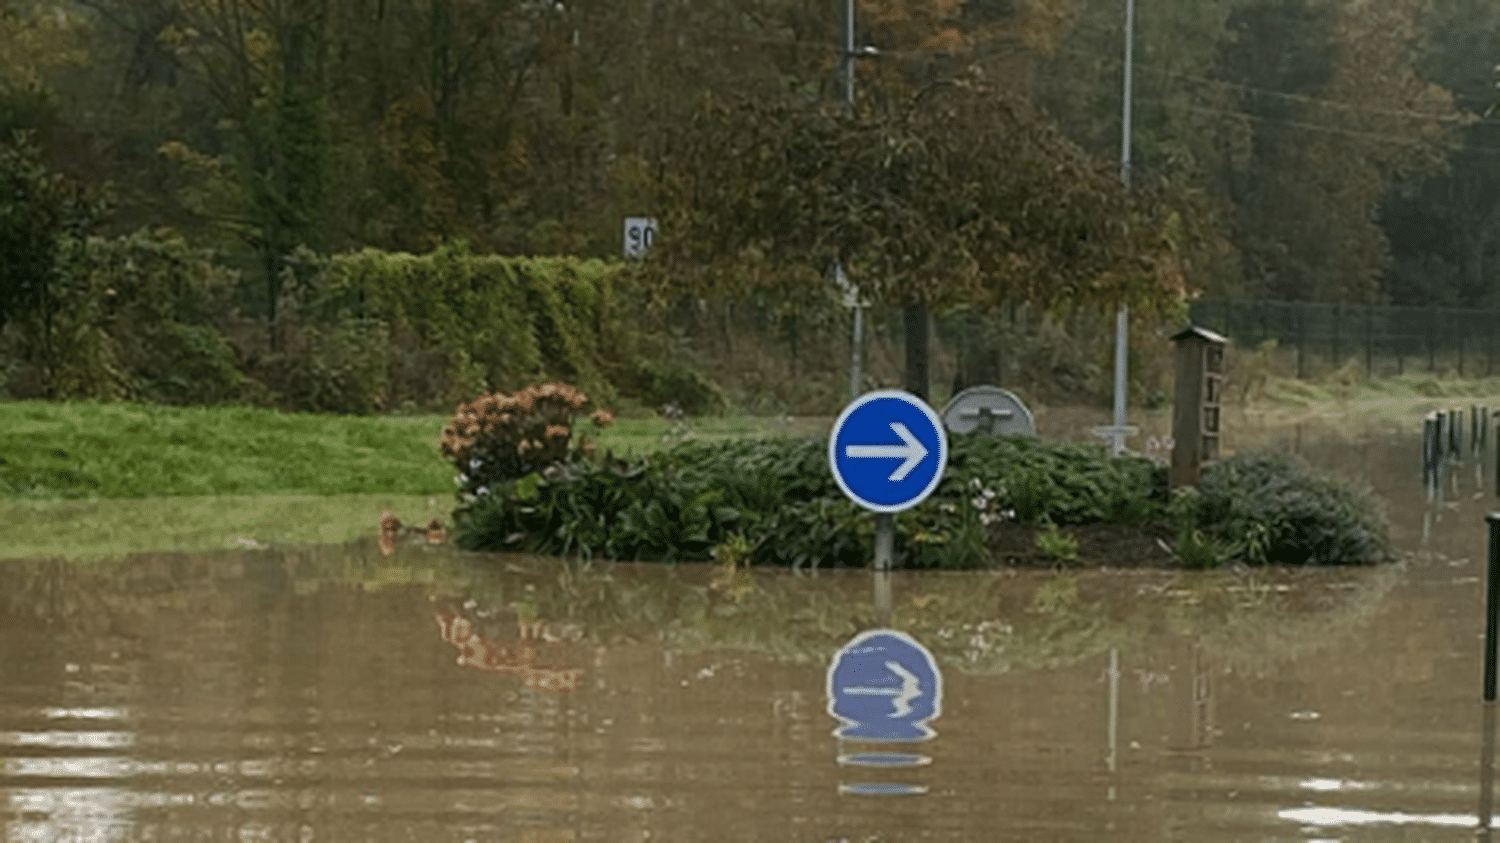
147	317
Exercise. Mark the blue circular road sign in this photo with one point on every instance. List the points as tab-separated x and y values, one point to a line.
885	686
888	450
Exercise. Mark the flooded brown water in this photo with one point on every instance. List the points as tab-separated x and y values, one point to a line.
331	693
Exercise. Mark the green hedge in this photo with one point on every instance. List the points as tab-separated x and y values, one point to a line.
146	317
780	498
503	321
779	494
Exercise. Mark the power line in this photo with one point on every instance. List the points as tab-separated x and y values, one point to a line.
1320	127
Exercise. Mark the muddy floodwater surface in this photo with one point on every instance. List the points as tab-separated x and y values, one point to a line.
333	693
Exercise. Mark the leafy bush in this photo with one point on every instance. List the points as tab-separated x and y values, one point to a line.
498	438
1064	483
780	494
134	321
337	368
1272	508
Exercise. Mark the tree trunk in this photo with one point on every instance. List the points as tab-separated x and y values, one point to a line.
918	349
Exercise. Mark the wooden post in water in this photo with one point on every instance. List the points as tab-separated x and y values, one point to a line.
1492	607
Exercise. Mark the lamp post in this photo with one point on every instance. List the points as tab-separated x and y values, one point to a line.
1120	430
847	57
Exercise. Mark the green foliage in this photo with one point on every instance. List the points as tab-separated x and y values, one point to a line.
1055	544
1271	508
505	321
1065	483
130	320
682	502
671	380
44	216
925	198
122	449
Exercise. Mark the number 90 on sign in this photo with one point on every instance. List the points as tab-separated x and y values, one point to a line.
640	233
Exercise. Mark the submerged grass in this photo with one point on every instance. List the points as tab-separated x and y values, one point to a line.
100	529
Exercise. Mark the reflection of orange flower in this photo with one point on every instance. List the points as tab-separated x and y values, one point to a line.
518	658
557	431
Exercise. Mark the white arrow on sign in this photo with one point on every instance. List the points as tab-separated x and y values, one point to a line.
911	688
912	452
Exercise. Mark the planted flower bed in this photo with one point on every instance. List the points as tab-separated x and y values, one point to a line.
1002	499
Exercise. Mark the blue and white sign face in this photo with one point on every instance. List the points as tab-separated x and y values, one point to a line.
888	450
884	686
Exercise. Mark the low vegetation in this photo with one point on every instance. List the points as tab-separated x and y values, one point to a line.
127	450
774	501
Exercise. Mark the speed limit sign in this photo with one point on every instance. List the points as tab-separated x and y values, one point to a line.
640	233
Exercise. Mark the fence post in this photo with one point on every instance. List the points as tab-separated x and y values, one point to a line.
1432	324
1301	340
1369	340
1492	607
1463	340
1338	335
1429	433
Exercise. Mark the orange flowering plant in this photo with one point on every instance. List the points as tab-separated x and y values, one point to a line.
496	438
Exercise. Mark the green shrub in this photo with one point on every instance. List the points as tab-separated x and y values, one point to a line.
338	368
780	494
672	381
1272	508
1055	544
1064	483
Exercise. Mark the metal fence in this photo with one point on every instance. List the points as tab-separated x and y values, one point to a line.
1381	339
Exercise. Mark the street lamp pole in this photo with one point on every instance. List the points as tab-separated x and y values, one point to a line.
851	293
1121	429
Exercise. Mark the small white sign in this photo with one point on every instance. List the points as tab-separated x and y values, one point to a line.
640	233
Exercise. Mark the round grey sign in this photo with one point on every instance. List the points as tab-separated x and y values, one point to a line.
988	409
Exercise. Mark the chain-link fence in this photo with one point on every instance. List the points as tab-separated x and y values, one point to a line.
1317	338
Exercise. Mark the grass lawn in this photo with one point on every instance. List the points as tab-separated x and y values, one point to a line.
85	449
84	479
53	450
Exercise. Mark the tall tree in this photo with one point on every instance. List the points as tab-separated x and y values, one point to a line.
957	193
1444	228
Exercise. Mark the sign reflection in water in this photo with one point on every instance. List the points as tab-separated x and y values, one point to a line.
884	687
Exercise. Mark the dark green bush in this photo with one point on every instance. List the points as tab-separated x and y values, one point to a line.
780	494
1272	508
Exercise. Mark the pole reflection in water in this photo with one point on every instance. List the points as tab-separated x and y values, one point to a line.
883	597
883	687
